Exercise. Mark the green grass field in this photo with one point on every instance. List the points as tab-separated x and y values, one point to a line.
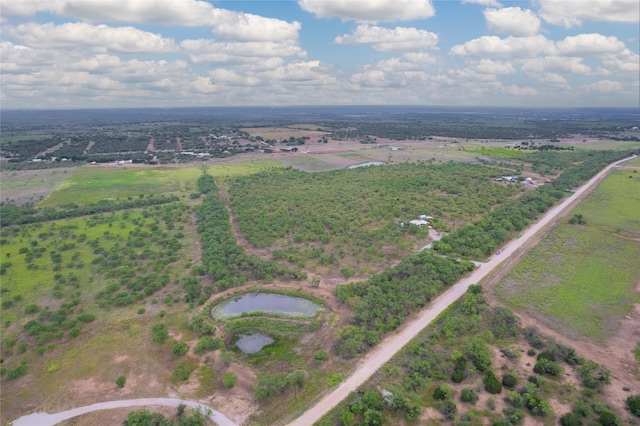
582	278
91	184
615	203
496	152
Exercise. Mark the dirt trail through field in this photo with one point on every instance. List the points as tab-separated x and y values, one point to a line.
389	346
235	229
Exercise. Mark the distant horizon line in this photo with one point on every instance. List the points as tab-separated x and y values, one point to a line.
326	106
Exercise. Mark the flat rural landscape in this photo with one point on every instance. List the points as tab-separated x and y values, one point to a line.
255	282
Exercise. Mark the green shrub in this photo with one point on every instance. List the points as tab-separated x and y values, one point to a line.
183	371
31	309
180	349
570	419
545	366
208	343
607	418
120	381
229	379
18	371
468	395
633	404
160	333
509	381
492	384
443	392
457	376
86	317
320	357
593	375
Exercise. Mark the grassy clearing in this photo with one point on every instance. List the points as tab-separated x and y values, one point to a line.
581	279
92	184
496	152
309	163
605	144
634	163
615	203
30	185
279	133
240	169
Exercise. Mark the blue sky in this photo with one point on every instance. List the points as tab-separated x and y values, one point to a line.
173	53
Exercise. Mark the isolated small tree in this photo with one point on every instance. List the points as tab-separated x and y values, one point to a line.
315	282
120	381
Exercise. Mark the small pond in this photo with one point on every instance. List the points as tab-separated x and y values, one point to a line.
267	303
252	343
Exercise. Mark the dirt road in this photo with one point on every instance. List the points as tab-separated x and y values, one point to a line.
44	419
389	346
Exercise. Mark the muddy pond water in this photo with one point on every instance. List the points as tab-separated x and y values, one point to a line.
266	303
253	343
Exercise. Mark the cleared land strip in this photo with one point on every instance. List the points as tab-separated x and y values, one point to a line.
389	346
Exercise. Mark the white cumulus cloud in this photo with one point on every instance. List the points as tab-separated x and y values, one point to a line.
510	46
492	3
179	12
387	40
573	13
605	86
371	10
512	21
487	66
248	27
555	63
589	44
97	37
213	52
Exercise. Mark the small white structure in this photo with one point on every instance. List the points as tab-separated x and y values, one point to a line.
419	222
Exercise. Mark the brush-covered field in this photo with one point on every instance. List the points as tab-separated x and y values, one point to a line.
475	365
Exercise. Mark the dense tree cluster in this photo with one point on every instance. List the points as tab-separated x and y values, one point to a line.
222	257
356	213
382	303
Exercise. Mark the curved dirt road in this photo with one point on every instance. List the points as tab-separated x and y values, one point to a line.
389	346
44	419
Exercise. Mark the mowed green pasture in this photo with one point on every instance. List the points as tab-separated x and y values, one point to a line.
615	203
91	184
578	279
